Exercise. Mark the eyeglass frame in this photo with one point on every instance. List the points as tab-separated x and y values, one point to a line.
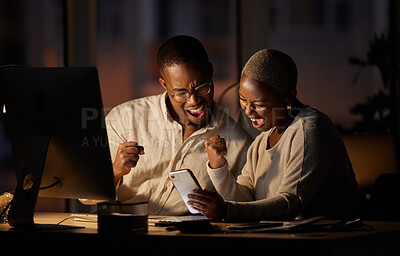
191	91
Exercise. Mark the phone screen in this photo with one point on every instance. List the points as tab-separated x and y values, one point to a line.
185	182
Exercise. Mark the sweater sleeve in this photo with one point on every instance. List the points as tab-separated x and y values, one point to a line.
256	210
226	184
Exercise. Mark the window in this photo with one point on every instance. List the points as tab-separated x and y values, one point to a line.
130	33
31	34
321	36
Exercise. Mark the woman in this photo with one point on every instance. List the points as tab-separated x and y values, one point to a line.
297	167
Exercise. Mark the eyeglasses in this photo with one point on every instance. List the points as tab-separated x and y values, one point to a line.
200	90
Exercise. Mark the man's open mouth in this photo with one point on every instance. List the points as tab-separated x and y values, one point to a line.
197	113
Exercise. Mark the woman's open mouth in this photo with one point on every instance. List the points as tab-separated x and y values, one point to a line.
257	122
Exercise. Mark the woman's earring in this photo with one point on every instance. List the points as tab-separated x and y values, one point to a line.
289	106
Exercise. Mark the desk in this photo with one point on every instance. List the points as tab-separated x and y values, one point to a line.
383	240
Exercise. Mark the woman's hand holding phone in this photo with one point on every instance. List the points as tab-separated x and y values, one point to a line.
208	203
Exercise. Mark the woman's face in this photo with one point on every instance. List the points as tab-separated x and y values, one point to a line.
261	103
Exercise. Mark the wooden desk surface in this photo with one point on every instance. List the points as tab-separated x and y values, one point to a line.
382	240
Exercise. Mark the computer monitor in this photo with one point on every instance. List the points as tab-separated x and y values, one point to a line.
55	119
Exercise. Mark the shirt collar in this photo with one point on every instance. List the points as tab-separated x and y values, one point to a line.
163	103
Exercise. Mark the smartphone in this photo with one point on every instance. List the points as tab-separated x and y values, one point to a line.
185	181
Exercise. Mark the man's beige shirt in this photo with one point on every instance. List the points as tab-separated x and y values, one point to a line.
148	122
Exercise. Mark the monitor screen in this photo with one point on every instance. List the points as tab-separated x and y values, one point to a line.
63	105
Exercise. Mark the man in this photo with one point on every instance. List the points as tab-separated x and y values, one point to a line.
152	136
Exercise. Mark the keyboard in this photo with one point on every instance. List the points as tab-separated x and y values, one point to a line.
172	219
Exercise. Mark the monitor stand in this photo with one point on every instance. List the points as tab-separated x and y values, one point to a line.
24	202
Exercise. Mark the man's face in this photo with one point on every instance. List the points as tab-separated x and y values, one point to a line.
261	104
185	77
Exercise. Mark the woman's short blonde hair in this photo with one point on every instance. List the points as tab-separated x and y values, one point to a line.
273	68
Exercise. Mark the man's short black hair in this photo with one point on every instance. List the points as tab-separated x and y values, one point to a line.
180	49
